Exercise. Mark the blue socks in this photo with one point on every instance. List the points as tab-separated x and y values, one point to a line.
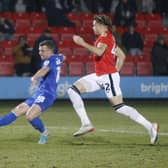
11	117
38	124
7	119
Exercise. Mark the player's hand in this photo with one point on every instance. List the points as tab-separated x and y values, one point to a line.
64	57
78	40
33	86
34	81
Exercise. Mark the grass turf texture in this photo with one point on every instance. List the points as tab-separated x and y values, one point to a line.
117	142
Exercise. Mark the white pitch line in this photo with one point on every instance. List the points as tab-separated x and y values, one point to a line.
100	130
130	132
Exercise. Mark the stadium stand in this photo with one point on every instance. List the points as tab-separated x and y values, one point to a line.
7	47
32	24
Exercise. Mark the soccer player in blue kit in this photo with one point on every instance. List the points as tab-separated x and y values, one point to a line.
47	78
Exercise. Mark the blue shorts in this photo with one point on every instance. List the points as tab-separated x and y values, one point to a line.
41	98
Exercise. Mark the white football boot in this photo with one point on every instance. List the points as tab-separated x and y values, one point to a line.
154	133
84	129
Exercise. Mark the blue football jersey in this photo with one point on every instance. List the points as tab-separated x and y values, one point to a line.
49	82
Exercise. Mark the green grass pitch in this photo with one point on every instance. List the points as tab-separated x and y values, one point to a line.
117	142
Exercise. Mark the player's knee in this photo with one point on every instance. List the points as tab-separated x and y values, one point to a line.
73	88
20	110
29	116
117	107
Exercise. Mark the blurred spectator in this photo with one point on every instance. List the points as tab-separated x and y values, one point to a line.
92	5
132	41
98	6
35	5
159	56
26	5
11	5
22	56
133	4
104	6
147	6
36	59
124	14
118	38
55	11
78	6
114	6
162	7
20	6
2	6
6	29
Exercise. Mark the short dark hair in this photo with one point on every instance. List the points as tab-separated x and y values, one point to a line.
48	43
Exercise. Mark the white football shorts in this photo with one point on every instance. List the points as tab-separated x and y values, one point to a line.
109	82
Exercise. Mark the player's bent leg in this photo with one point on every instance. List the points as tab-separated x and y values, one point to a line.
7	119
12	116
78	104
33	112
36	122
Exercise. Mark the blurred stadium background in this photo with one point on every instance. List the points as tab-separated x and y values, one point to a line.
116	141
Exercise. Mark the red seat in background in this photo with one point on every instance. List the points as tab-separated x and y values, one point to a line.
86	19
74	17
144	69
64	69
38	19
66	33
140	20
65	43
65	50
21	18
37	16
6	66
89	67
8	46
76	69
80	51
153	19
128	69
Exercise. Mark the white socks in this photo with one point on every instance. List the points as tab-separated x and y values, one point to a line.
78	105
121	109
135	116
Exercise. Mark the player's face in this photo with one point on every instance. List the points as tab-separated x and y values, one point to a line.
96	27
44	52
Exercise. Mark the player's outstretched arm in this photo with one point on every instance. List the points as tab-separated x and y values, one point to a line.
99	50
40	73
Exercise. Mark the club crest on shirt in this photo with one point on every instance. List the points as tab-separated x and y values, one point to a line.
46	62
